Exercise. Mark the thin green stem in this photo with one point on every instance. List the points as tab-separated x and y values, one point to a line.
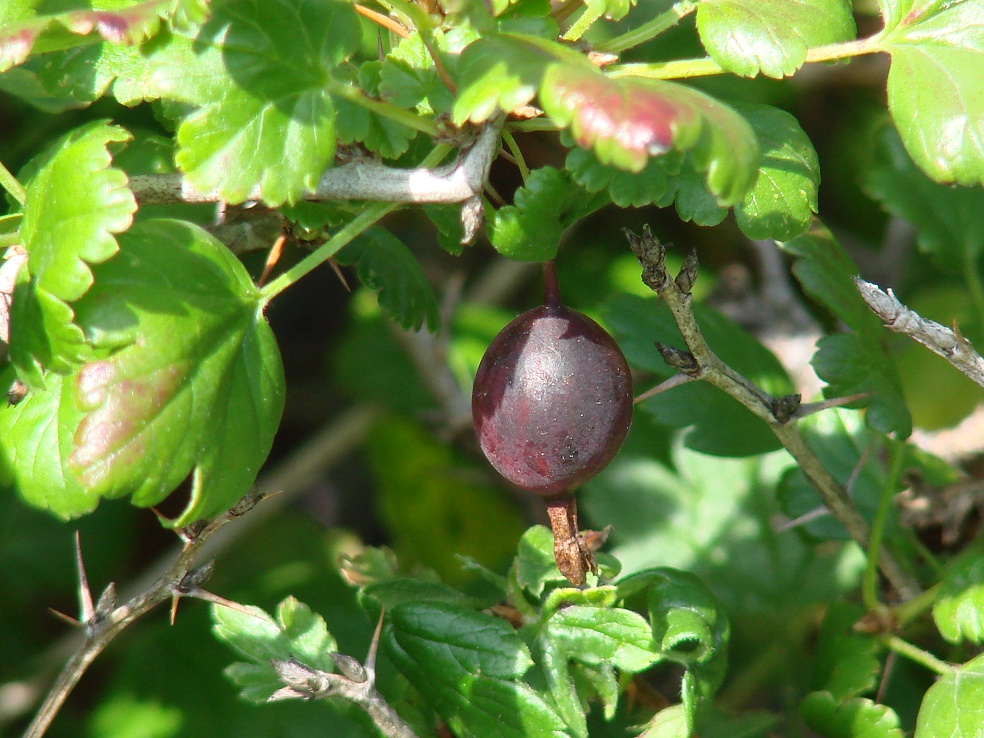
361	222
869	584
533	124
9	182
332	246
385	109
649	30
912	609
917	654
588	18
707	67
517	154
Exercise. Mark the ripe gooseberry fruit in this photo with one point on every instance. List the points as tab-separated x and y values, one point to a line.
552	401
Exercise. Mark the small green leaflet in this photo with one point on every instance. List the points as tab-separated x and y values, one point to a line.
959	608
296	633
76	202
386	266
468	664
847	662
935	83
544	208
855	362
954	706
854	718
770	36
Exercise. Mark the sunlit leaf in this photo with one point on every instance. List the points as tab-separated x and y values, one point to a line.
959	608
954	706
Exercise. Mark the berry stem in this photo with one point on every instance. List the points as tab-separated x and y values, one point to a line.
573	557
551	288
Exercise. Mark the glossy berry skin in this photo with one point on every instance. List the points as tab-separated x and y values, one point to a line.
552	401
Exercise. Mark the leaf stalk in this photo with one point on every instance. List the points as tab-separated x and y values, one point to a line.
10	183
649	30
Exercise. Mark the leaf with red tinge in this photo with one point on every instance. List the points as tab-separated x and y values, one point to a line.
24	30
76	202
192	381
935	83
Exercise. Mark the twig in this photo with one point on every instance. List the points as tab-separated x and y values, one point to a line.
703	364
366	179
937	338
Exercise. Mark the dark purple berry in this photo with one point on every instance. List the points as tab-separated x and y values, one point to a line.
553	398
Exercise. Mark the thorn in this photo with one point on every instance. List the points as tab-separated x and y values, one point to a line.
272	258
675	381
808	408
338	273
87	608
175	599
65	618
801	520
373	648
204	594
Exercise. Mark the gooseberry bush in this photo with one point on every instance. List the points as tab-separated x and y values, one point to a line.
783	546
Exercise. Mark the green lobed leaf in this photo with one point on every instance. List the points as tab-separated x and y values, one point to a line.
959	607
670	722
75	204
954	706
386	266
857	362
854	718
947	219
717	423
783	199
934	84
599	635
194	383
545	207
296	633
535	566
846	662
356	124
770	36
467	664
35	443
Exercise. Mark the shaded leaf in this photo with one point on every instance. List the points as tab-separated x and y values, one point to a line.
466	664
847	662
947	219
855	718
717	423
959	607
545	207
855	362
386	266
770	36
194	383
934	85
954	706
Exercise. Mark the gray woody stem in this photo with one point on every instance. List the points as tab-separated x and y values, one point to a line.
704	365
368	179
937	338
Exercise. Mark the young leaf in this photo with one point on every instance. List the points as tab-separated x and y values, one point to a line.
76	202
545	207
781	203
947	219
670	722
934	85
855	718
356	124
467	664
847	663
770	36
297	633
535	566
386	266
953	706
35	442
958	607
194	383
717	423
855	362
598	635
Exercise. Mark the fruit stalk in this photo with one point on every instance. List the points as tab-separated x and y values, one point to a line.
573	557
